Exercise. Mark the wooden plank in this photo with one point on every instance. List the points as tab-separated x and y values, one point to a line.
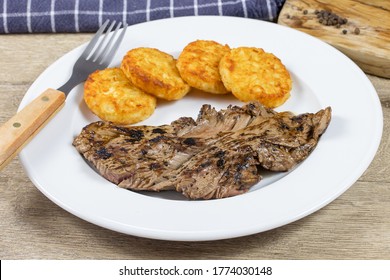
370	49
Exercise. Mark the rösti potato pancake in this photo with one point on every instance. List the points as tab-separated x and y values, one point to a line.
252	74
154	72
198	65
111	96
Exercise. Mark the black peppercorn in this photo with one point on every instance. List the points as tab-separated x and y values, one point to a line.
329	18
357	31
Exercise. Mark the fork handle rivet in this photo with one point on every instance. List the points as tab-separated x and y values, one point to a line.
45	98
16	124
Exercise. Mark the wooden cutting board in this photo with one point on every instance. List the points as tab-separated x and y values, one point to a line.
365	38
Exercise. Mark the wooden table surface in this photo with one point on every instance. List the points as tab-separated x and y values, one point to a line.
354	226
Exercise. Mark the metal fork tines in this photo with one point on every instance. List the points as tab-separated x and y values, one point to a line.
97	55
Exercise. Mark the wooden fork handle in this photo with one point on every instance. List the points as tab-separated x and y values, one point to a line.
17	131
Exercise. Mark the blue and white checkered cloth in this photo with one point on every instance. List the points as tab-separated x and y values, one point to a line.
43	16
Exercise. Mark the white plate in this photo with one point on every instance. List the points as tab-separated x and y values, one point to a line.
322	76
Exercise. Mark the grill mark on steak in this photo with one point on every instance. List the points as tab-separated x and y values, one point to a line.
209	121
218	155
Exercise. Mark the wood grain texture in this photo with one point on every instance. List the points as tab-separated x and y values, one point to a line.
24	125
354	226
370	49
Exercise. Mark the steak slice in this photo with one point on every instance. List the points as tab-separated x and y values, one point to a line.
218	155
231	164
139	156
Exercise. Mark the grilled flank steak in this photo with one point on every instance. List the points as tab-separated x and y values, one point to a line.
221	154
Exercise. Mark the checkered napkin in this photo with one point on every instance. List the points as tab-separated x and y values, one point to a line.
42	16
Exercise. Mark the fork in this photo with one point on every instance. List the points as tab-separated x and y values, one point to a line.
23	126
